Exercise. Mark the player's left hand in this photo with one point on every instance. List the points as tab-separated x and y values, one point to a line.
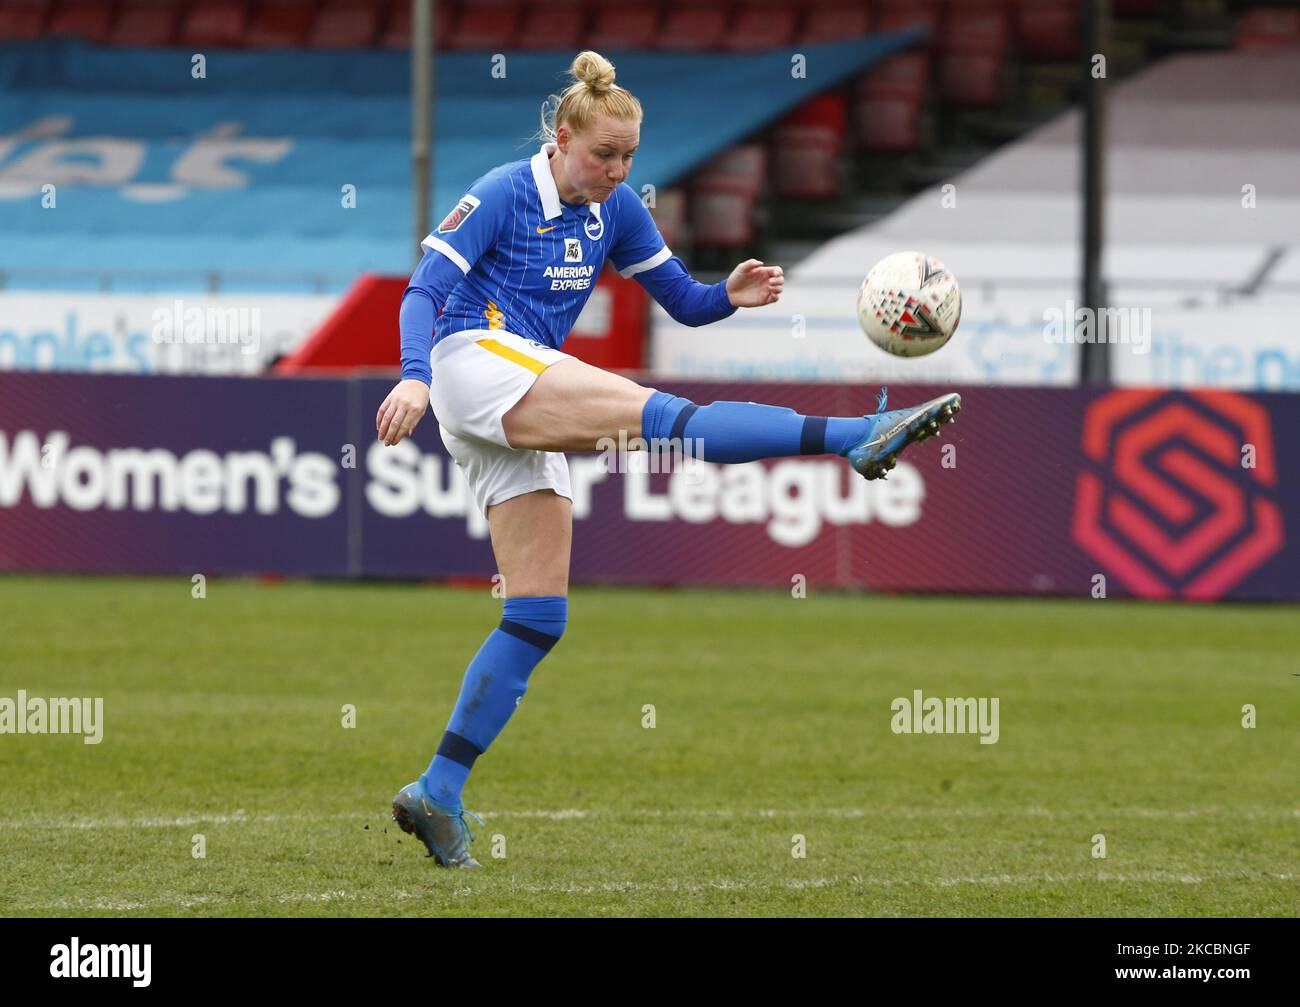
752	284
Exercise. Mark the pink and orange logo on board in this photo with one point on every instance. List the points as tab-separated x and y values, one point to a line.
1176	497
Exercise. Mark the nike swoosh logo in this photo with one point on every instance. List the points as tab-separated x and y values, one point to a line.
543	230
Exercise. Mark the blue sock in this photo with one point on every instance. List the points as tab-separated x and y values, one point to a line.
494	683
747	431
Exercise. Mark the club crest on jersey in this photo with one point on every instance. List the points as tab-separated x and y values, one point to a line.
595	228
572	250
467	205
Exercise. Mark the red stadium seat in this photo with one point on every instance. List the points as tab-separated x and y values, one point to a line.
977	29
23	19
805	161
87	19
280	24
1049	29
145	23
888	124
888	103
742	168
397	33
835	21
806	149
974	43
482	25
904	75
214	23
827	110
972	79
1268	28
721	218
766	25
694	27
557	24
895	15
622	28
345	24
669	213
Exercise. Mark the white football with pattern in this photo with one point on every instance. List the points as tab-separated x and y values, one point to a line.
909	304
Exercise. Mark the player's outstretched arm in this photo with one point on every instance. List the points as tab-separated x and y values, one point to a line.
752	284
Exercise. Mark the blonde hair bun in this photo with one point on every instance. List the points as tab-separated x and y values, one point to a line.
594	70
593	93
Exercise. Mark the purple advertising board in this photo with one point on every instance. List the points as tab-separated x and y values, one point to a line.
1165	494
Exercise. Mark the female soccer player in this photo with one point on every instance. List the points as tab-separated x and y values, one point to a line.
510	269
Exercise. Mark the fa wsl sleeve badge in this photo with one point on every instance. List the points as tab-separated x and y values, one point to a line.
467	205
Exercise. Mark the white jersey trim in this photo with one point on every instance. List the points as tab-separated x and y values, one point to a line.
438	245
658	259
545	182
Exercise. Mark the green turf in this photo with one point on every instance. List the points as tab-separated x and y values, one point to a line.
222	718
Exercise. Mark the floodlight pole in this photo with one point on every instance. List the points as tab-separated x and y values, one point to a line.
422	86
1094	357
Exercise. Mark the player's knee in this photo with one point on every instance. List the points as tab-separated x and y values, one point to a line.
537	619
665	414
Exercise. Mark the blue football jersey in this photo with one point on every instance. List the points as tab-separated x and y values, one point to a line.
529	259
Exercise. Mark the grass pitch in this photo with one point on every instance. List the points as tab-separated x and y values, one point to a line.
223	719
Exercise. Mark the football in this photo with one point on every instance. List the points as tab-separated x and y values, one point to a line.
909	304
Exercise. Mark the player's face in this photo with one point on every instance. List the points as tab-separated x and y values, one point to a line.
599	158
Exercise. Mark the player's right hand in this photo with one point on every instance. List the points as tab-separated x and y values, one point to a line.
402	410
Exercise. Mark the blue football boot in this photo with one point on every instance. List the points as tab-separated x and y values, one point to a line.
890	432
443	830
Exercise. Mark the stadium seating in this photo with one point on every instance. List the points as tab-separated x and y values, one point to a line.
721	218
832	20
724	195
762	25
973	43
214	23
615	28
23	19
280	24
669	214
1048	29
694	26
1268	28
895	15
888	104
552	24
968	60
806	149
88	19
484	24
345	24
145	23
741	169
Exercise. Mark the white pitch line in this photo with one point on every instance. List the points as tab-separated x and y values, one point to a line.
651	888
240	816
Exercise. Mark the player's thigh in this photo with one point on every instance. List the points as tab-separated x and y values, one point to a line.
572	405
532	535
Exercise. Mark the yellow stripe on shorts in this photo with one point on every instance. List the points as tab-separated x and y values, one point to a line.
522	359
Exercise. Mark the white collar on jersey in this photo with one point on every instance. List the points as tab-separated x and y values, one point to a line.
546	185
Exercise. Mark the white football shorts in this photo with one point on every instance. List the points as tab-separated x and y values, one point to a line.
478	375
